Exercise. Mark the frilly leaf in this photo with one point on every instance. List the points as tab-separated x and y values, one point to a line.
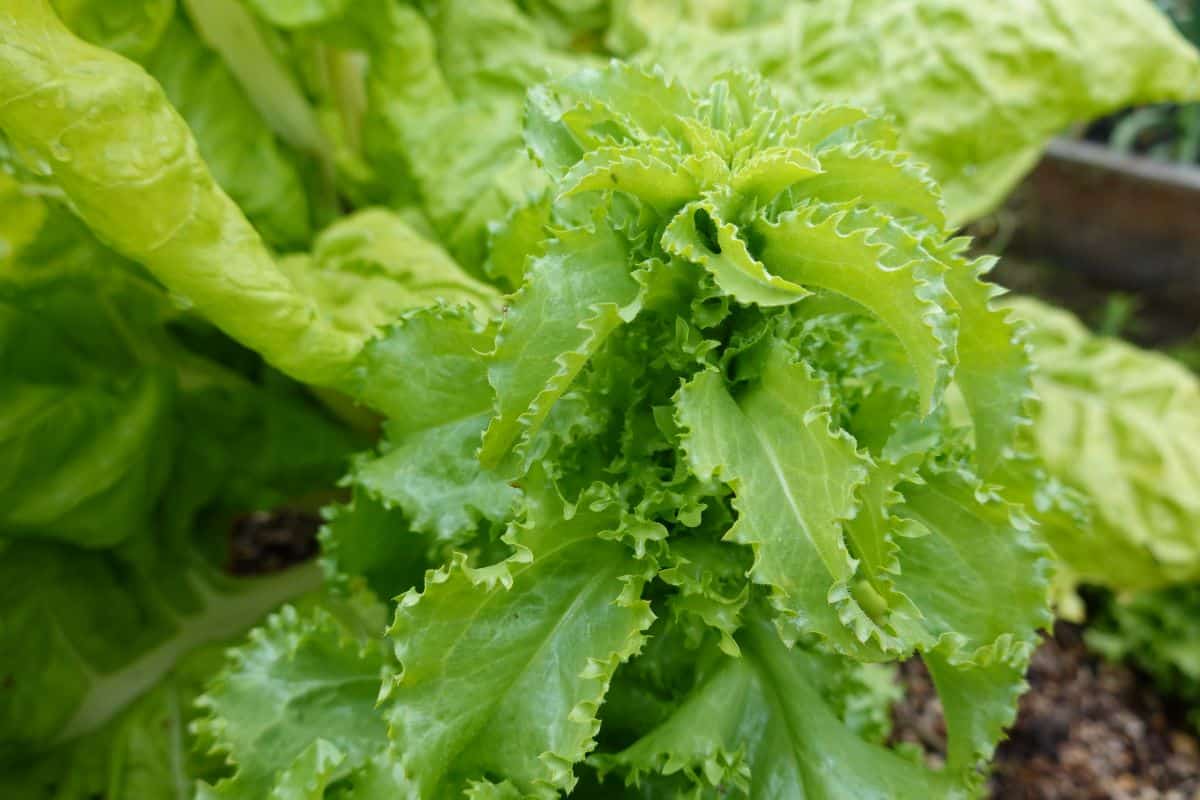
700	234
820	127
295	707
983	615
993	371
503	667
795	479
771	170
835	249
639	171
881	178
712	585
979	703
428	373
575	295
759	725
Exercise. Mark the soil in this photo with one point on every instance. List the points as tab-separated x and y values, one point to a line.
262	542
1086	730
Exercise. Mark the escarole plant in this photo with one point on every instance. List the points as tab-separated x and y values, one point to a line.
734	438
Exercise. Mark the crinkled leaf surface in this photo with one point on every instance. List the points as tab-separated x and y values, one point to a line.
143	752
116	148
466	704
294	707
792	499
976	89
370	267
1121	426
758	725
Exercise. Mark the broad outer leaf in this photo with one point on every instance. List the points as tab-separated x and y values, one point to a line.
1122	427
369	268
503	668
444	99
295	707
84	633
82	463
132	171
249	163
144	752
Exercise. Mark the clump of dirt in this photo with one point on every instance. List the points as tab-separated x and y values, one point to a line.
262	542
1086	730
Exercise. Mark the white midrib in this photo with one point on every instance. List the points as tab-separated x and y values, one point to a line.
225	614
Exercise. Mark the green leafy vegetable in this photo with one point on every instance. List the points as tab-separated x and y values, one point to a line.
747	428
122	422
146	751
1120	426
118	148
650	409
976	90
292	703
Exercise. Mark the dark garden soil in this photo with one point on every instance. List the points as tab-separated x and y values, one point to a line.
262	542
1087	730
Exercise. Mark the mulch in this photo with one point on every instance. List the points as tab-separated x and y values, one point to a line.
1086	730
